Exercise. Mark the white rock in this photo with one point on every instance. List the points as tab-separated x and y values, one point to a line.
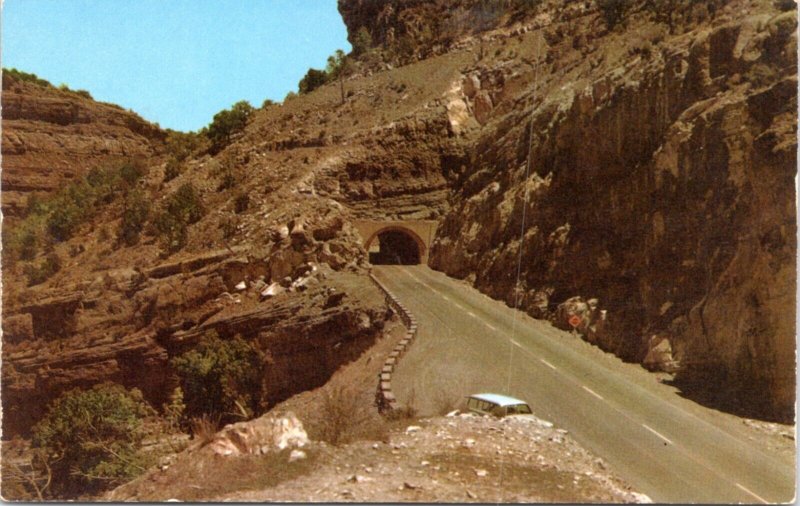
241	286
297	455
452	413
480	473
272	290
413	428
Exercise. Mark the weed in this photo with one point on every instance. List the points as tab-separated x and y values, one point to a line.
204	428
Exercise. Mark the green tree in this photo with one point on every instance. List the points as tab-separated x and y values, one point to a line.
220	377
91	438
338	68
313	79
181	209
228	122
135	213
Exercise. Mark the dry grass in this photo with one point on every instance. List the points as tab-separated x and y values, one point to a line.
204	428
345	416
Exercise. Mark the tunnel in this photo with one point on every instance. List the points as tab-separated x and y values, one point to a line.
394	247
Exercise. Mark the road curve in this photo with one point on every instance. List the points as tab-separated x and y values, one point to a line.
665	446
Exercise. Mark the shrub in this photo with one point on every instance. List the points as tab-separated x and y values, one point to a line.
64	219
91	438
227	122
204	428
173	410
186	204
228	181
362	41
172	231
135	213
182	144
46	270
313	79
172	170
180	210
220	378
27	77
241	203
613	11
131	172
267	103
345	417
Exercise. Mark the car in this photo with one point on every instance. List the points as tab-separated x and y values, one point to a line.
497	405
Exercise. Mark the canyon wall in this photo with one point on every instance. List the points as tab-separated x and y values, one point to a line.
661	182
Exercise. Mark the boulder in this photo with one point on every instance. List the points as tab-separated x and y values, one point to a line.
483	107
659	355
471	85
260	436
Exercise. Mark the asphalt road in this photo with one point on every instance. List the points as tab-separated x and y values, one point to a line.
665	446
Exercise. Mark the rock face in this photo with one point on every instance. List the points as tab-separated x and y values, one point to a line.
50	136
660	183
414	29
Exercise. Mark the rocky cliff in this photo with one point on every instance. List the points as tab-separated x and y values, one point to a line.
52	135
653	173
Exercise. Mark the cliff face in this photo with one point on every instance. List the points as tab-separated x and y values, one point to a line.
415	29
50	136
661	183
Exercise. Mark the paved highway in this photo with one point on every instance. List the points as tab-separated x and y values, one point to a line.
665	446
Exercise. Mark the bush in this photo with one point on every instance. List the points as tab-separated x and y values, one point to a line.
131	172
182	144
228	122
27	77
221	378
346	417
313	79
613	11
186	204
172	170
362	42
91	438
241	203
180	210
267	103
135	213
46	270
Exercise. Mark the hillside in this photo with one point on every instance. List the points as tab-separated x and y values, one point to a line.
52	135
637	172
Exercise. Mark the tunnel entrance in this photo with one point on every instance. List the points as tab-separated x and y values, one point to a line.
394	247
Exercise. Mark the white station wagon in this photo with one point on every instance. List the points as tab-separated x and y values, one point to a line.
497	405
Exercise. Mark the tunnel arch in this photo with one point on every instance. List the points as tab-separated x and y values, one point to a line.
421	249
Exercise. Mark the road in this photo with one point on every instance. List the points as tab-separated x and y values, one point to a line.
665	446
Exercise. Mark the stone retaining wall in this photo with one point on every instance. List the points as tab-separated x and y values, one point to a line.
385	398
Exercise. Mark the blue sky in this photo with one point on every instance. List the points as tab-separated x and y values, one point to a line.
176	62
